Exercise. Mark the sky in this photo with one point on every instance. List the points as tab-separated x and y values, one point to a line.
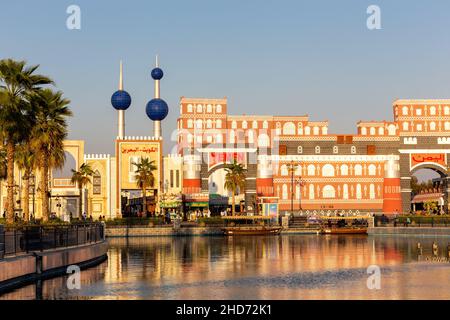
285	57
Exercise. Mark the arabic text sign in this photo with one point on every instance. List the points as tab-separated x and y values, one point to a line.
419	158
139	149
225	157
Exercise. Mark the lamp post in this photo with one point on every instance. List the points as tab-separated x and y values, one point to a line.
292	166
33	189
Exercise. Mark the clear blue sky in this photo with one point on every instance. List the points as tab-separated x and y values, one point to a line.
285	57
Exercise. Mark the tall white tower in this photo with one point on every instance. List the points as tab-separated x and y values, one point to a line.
121	101
157	109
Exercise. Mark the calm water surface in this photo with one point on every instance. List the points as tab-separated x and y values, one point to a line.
274	267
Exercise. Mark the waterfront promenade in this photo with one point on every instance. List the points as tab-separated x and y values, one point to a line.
32	253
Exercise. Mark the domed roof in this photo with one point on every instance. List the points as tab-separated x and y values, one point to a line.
121	100
157	109
157	74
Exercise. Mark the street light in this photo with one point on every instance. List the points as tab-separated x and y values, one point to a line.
301	183
292	166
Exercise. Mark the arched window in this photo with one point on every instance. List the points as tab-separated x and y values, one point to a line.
255	124
300	128
328	192
345	191
405	126
418	112
307	130
219	124
391	130
234	124
189	108
265	124
447	126
358	170
405	110
219	108
372	191
432	126
317	149
285	192
232	136
199	123
353	150
344	170
190	123
324	130
96	183
284	170
432	111
381	131
358	192
446	110
190	138
289	128
328	170
209	108
251	136
263	140
311	170
372	131
311	192
199	108
244	124
372	170
219	138
335	149
364	131
316	131
199	139
299	149
209	123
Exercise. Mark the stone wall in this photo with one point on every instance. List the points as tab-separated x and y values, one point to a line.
161	232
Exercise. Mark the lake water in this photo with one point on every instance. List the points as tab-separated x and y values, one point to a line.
272	267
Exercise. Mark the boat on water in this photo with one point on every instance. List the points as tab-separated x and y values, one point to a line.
343	225
250	226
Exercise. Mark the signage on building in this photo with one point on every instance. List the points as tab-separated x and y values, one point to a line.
216	158
420	158
126	150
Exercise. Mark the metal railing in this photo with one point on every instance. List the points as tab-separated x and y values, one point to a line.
24	239
412	221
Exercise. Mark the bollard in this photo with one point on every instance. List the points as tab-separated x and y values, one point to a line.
2	242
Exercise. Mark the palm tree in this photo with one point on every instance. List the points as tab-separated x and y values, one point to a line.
16	82
81	178
26	161
234	180
50	110
2	164
145	178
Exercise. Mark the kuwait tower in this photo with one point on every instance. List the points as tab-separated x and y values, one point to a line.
121	101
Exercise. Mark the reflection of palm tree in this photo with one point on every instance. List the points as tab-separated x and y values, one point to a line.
17	82
145	178
234	180
81	178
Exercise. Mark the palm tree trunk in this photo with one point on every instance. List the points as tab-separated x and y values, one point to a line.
80	208
144	202
10	149
44	187
26	198
233	203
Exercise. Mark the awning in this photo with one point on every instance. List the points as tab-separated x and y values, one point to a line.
428	197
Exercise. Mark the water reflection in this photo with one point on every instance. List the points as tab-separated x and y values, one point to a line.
284	267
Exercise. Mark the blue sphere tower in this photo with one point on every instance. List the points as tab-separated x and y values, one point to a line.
121	101
157	109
